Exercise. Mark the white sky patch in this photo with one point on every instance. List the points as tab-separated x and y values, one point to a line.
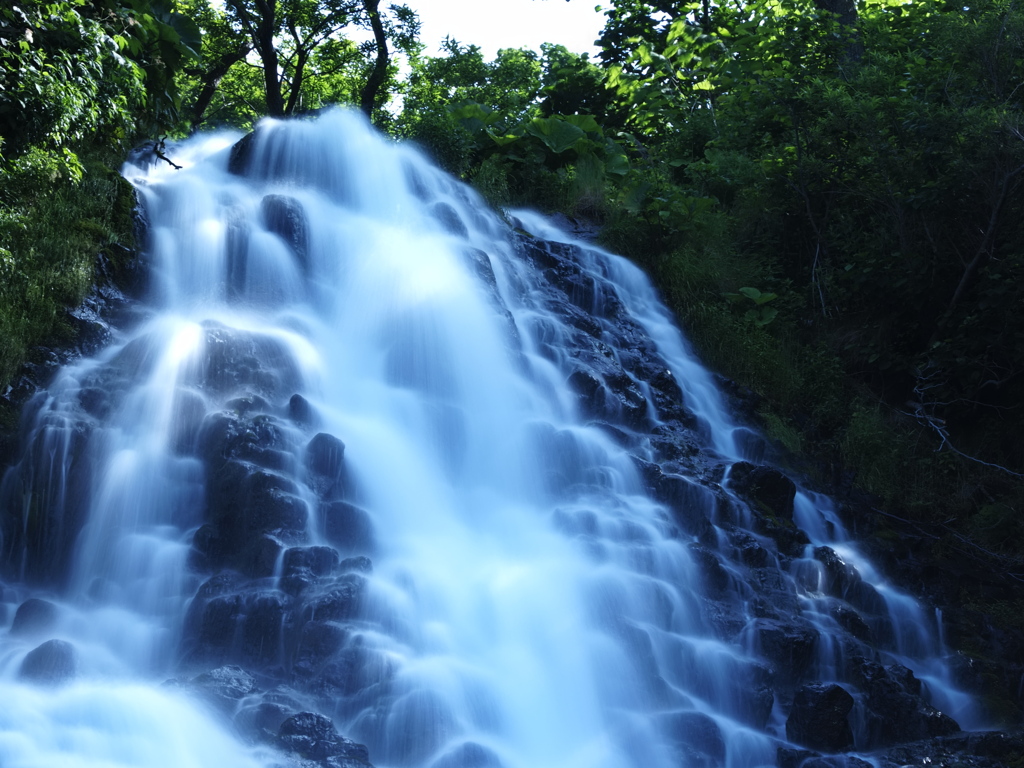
494	24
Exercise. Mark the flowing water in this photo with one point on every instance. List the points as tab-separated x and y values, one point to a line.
530	604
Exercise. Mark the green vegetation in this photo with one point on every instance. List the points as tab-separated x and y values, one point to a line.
79	81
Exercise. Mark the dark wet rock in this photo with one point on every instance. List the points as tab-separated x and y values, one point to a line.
480	263
261	631
303	567
318	643
241	155
325	463
340	603
186	420
240	361
805	758
839	575
360	563
788	646
52	663
766	488
260	559
300	411
819	718
45	500
224	686
33	617
696	737
355	671
984	749
320	560
468	755
258	439
691	504
261	717
236	256
313	736
851	621
348	527
790	540
894	708
214	625
449	219
715	578
285	217
752	554
246	502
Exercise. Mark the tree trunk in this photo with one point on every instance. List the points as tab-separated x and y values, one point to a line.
846	13
369	96
211	80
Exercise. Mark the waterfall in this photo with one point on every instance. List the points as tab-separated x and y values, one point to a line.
456	485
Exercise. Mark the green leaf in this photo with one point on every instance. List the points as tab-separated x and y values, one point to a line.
557	134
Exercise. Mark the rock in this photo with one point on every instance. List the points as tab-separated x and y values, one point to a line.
241	361
241	154
714	576
33	617
261	631
804	758
449	219
340	603
320	560
765	487
52	663
224	686
895	710
468	755
348	527
839	576
789	646
691	504
284	216
300	411
319	641
325	457
313	736
819	718
697	737
304	566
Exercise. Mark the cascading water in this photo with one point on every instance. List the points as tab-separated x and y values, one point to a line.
371	453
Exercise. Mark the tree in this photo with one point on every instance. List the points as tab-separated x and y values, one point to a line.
287	39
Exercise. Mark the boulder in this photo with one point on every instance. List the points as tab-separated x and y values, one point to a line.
895	709
696	737
313	736
224	686
52	663
34	616
819	718
469	754
325	464
348	527
766	488
788	646
283	215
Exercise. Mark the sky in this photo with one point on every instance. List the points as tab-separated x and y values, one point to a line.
494	24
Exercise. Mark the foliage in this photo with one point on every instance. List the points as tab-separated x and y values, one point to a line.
48	246
492	123
72	71
868	171
283	57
